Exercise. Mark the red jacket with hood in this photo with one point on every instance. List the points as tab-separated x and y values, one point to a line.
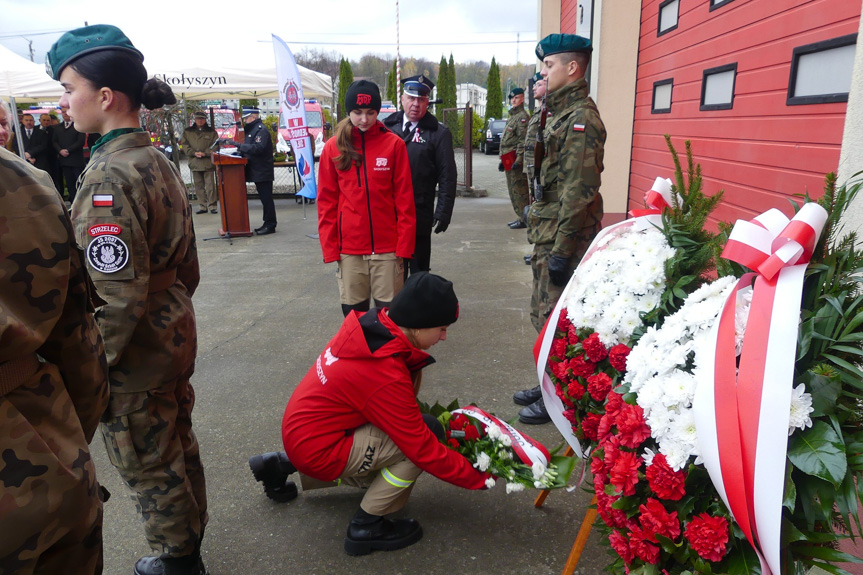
364	376
369	208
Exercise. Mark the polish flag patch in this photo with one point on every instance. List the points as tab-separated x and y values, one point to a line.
103	200
578	127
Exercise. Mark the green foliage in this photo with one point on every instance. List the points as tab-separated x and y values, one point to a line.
346	78
393	89
442	75
494	100
449	95
272	124
248	102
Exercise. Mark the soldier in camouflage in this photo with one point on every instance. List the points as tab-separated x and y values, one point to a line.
563	224
53	381
512	157
133	217
530	138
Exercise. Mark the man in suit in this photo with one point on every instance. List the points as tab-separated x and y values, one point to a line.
37	143
69	145
47	124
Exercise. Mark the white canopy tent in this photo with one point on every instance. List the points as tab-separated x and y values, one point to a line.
28	82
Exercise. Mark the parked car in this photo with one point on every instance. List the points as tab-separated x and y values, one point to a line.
226	121
387	109
493	130
318	129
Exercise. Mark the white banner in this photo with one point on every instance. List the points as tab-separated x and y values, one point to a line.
294	113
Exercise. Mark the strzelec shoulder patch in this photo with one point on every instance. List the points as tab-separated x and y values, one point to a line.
107	254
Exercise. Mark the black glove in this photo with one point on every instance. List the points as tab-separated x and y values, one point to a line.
517	168
500	167
558	270
440	225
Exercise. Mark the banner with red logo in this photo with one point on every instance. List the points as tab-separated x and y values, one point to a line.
294	113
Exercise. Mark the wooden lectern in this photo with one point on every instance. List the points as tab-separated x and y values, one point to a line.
231	174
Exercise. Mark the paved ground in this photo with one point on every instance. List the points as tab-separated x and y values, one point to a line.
266	306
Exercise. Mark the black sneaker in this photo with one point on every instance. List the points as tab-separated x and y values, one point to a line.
382	535
202	211
272	469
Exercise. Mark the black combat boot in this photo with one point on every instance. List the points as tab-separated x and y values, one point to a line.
272	469
527	396
187	565
367	533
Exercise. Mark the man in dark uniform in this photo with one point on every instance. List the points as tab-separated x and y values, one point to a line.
37	143
432	162
563	223
69	144
512	156
258	149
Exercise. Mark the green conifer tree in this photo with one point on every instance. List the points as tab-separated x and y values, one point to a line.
392	94
346	78
450	96
442	75
494	103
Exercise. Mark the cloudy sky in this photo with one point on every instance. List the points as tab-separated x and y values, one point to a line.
185	31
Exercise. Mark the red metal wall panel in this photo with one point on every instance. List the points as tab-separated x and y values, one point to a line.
568	16
762	151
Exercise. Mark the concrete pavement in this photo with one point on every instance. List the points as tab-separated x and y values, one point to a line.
266	307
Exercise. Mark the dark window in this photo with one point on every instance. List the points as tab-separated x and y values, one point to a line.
714	4
821	72
717	88
662	96
669	11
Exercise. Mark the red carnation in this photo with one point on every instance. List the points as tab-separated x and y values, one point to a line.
575	390
603	430
617	357
581	367
560	370
708	535
563	323
620	544
594	348
572	335
571	417
471	433
558	349
459	421
614	403
597	466
657	521
590	426
453	443
598	385
610	451
631	426
664	481
642	546
561	394
624	473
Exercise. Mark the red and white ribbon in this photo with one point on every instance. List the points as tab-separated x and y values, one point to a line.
657	198
528	450
742	413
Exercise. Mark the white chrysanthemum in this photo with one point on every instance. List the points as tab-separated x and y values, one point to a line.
493	431
489	482
514	488
482	461
683	428
801	407
679	388
647	457
675	453
649	393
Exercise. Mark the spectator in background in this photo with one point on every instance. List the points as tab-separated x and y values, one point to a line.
512	156
46	124
37	143
69	145
433	169
197	142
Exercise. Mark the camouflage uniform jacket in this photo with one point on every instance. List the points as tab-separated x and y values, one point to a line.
45	305
133	218
530	143
570	174
199	140
514	133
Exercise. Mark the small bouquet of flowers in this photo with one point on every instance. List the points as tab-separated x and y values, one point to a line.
493	445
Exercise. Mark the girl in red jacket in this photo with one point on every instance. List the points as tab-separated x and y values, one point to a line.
366	214
354	417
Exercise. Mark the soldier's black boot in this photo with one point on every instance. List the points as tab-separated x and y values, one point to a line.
272	469
187	565
367	533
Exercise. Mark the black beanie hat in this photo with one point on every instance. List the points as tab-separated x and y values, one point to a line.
426	300
363	94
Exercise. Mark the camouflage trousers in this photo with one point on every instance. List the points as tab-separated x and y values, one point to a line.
516	184
50	512
149	439
545	293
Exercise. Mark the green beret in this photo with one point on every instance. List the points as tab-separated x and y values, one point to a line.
537	77
76	43
559	43
515	92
